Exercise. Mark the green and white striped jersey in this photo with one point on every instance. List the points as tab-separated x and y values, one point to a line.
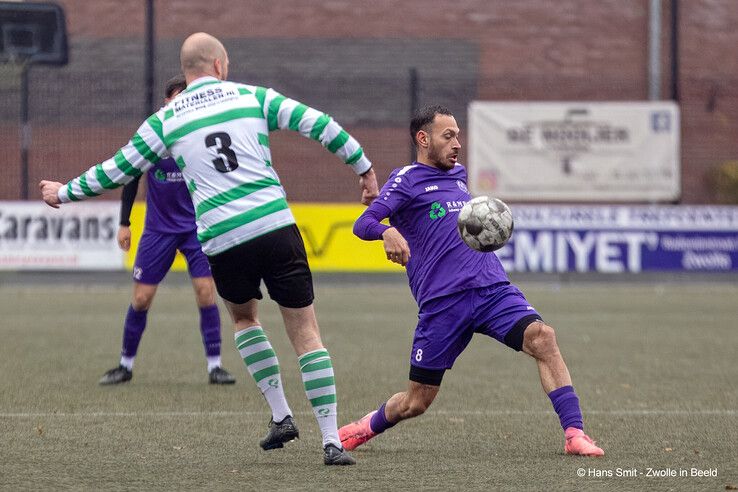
218	133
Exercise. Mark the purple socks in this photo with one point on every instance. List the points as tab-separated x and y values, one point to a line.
136	323
210	330
566	404
378	422
133	329
564	401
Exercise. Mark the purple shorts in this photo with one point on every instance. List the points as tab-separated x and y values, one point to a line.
156	252
446	324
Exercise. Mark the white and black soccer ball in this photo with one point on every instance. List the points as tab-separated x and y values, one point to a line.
485	224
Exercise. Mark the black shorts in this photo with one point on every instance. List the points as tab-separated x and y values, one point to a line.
277	257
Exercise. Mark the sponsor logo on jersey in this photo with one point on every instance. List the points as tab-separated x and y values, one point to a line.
456	205
202	98
171	176
437	211
431	188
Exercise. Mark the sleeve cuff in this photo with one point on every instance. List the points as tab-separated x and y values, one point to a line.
62	194
361	166
377	230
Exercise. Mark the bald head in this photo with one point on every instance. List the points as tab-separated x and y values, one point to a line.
202	54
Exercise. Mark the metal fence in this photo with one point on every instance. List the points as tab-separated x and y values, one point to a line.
81	113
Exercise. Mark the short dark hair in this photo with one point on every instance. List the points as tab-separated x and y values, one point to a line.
175	84
424	117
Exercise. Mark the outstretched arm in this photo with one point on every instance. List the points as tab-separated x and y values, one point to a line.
284	113
369	187
144	150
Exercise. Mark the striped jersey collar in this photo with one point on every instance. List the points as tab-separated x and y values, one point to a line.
197	83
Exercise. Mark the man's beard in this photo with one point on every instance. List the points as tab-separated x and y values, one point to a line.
437	158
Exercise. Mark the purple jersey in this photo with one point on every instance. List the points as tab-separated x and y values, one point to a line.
423	203
169	207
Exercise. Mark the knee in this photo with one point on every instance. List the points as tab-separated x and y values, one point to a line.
142	301
540	341
205	295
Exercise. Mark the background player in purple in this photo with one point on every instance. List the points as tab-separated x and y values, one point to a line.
170	226
459	291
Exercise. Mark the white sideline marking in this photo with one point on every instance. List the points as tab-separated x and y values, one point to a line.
444	413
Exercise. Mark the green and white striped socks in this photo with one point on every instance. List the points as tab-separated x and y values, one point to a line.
320	388
261	362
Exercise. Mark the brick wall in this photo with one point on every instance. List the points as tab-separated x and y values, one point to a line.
351	58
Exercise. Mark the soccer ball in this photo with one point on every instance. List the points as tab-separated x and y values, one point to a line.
485	224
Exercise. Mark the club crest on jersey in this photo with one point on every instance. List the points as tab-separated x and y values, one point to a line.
462	186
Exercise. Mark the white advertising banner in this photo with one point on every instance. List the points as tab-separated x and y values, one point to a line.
79	236
569	151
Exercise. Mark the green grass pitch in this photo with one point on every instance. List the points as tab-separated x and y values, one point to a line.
654	364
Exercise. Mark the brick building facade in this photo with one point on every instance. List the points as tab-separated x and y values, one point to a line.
352	59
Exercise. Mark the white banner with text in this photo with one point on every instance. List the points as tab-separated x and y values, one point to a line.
79	236
570	151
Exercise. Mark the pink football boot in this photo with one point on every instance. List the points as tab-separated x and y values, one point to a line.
579	443
356	433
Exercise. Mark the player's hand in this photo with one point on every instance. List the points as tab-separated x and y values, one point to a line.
124	238
369	188
396	247
50	192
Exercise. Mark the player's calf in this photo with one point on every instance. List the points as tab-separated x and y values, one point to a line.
409	408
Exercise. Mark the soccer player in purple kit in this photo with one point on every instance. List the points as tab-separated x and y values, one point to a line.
459	291
170	226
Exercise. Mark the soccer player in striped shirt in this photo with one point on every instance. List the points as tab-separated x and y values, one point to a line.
459	291
218	133
170	226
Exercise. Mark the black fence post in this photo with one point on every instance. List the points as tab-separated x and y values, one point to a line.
149	55
675	50
414	97
25	129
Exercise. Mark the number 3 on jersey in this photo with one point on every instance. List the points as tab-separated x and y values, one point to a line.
222	143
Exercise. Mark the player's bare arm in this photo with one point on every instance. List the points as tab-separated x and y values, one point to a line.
395	246
369	187
50	192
